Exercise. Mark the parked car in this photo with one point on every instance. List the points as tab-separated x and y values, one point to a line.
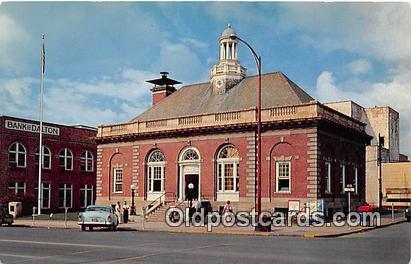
98	216
408	213
366	208
5	217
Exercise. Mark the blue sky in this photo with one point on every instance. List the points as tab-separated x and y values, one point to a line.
100	54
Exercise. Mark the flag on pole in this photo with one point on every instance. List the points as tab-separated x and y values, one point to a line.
43	57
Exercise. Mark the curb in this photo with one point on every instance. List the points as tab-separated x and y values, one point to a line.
224	232
354	231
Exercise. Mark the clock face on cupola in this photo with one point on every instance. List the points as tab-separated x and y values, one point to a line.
228	72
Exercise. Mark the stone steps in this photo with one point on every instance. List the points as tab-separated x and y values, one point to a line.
158	215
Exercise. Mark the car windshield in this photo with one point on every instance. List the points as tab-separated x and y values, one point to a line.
101	209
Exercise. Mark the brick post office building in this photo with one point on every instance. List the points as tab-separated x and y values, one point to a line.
68	174
205	134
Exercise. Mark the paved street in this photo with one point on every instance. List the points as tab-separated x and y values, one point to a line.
40	245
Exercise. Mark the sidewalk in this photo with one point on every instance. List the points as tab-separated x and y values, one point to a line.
294	230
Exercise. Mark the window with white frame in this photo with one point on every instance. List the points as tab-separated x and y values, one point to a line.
45	194
355	179
343	178
328	177
283	176
46	160
65	195
66	159
155	171
17	155
118	180
228	169
86	195
17	187
86	161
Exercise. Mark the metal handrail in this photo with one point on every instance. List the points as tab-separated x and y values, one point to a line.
147	209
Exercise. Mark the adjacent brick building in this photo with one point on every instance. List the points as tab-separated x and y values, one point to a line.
68	174
383	126
205	134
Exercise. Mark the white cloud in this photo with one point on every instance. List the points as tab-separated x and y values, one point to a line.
396	93
13	37
104	100
16	95
360	66
381	30
182	63
195	43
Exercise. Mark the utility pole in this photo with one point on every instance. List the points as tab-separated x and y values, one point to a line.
379	173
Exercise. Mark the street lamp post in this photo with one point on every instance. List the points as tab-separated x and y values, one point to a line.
133	188
257	59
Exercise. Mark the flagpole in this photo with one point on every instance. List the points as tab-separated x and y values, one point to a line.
42	67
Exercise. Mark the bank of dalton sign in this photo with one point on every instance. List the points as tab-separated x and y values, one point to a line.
29	127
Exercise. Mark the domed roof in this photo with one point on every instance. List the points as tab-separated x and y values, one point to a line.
228	31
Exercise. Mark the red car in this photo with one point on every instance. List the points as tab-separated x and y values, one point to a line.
366	208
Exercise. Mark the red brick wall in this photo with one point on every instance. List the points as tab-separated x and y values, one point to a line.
288	143
349	152
294	146
208	149
75	139
160	96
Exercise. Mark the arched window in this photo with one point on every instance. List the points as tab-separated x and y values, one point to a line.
228	161
155	171
86	161
66	159
17	155
46	161
190	155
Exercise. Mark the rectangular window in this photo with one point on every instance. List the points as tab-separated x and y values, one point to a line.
342	178
355	180
229	177
17	187
283	174
220	177
157	173
66	195
237	185
45	194
328	177
86	195
118	180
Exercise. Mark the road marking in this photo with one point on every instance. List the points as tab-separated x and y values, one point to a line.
69	244
164	253
19	256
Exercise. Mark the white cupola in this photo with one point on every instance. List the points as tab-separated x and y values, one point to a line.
228	72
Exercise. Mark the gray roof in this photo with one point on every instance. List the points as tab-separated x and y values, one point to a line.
277	90
228	32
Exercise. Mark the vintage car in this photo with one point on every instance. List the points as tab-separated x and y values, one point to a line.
98	216
5	217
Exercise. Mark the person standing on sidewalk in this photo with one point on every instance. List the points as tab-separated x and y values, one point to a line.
126	207
118	212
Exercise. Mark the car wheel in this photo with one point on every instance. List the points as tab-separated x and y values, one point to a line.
90	228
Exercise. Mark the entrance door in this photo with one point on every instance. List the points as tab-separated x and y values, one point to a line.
191	178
